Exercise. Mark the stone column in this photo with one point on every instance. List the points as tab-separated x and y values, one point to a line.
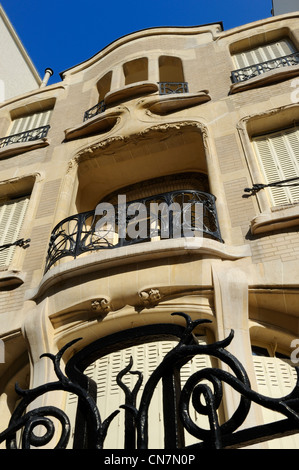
231	305
153	69
39	333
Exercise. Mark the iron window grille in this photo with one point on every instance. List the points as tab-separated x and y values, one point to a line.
25	136
77	234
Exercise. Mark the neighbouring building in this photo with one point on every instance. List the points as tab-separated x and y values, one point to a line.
194	115
284	6
17	72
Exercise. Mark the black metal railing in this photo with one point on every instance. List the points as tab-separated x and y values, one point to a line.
86	231
252	71
97	109
25	136
201	394
166	88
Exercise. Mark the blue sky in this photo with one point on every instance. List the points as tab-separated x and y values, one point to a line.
62	33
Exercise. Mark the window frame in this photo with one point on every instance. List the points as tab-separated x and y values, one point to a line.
248	43
268	217
271	154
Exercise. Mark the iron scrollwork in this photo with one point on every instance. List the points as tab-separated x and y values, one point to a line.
25	136
77	234
166	88
204	384
95	110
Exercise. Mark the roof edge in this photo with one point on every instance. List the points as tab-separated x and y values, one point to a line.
152	30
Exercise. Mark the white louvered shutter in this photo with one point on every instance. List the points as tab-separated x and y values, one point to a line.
12	214
30	122
264	53
146	358
276	378
278	156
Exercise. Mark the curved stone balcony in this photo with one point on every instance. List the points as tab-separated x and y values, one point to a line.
165	88
169	215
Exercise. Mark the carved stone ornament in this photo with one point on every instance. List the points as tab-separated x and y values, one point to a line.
118	141
150	297
101	305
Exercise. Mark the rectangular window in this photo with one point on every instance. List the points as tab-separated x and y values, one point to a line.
278	156
264	53
32	121
30	127
12	214
253	62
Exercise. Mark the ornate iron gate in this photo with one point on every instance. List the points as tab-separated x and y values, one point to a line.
92	430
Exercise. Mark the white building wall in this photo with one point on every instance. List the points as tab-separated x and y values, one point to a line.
17	73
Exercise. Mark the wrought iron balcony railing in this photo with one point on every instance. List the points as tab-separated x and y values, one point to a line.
97	109
26	136
86	231
166	88
252	71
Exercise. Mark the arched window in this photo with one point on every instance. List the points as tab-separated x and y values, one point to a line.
171	75
171	69
104	85
145	347
136	70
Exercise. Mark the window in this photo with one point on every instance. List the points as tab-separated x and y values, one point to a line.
27	128
275	378
278	157
263	53
103	86
255	61
136	70
171	75
12	214
146	358
171	69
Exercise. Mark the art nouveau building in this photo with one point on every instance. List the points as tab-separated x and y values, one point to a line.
193	114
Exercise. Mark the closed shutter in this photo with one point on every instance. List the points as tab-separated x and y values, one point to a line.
12	215
276	378
32	121
278	156
264	53
146	357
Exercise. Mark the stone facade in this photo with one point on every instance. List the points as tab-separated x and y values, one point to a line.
140	144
